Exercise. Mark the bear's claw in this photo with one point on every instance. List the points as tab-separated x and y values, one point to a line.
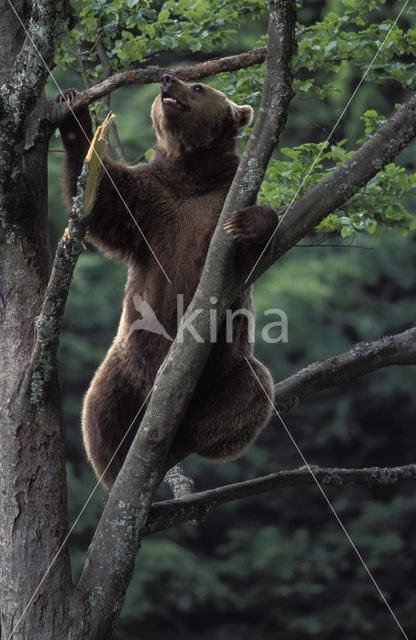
239	226
255	224
68	96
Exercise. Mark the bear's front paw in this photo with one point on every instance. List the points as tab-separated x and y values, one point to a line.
68	96
254	224
75	125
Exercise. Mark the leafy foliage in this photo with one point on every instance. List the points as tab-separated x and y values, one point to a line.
377	206
358	36
133	31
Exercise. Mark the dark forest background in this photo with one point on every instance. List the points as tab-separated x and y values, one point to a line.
276	565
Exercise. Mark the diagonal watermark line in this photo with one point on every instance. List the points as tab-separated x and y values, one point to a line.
82	510
310	469
329	137
85	134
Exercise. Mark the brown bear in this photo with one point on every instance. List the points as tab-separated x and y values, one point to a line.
159	219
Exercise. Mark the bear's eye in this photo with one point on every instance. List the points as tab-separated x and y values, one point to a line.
197	88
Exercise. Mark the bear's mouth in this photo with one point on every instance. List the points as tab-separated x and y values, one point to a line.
173	103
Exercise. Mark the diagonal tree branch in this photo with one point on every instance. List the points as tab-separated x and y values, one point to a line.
198	506
122	523
363	358
302	216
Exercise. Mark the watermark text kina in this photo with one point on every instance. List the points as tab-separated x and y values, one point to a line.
271	333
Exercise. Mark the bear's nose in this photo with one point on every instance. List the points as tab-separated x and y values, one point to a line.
168	80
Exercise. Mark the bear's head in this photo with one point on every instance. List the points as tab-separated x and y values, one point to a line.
189	117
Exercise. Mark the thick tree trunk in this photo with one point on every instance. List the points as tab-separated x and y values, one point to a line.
32	463
32	471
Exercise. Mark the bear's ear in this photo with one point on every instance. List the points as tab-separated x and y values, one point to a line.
242	115
246	115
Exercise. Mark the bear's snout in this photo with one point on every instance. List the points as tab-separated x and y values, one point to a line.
167	80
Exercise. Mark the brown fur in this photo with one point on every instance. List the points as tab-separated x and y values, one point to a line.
176	200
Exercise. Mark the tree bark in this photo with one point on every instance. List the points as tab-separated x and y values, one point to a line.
32	461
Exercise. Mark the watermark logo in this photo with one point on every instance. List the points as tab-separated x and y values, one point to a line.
148	320
272	332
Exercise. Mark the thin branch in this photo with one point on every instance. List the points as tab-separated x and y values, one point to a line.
43	362
114	139
319	245
152	74
198	506
363	358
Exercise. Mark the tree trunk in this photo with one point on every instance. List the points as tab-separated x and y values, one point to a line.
32	464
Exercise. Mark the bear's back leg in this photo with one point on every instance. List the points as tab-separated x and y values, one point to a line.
112	412
222	424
